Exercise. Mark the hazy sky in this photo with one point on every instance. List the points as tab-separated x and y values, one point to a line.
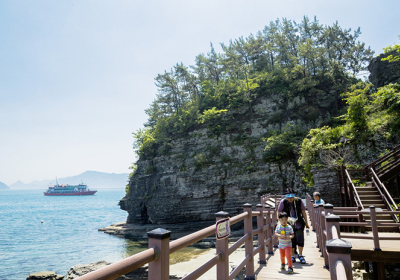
76	76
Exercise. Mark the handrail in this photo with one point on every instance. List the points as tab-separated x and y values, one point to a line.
239	267
204	268
384	158
190	239
357	200
157	256
394	153
385	194
122	267
381	185
238	243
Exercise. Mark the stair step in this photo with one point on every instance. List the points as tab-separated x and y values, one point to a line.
365	189
369	184
370	196
381	221
368	192
380	217
371	201
374	204
385	229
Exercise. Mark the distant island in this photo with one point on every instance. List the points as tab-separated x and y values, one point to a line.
3	186
93	179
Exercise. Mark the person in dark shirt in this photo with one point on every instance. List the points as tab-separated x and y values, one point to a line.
294	206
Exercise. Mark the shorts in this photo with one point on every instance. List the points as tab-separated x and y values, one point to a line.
298	238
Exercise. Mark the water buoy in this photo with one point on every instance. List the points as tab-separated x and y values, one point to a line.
42	221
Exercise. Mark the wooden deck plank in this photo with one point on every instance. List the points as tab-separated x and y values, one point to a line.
313	269
363	249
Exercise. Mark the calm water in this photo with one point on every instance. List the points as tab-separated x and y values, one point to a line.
68	235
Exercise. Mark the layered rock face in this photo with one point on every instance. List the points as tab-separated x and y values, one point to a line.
384	72
203	174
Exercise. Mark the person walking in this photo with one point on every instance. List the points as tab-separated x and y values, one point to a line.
296	211
285	233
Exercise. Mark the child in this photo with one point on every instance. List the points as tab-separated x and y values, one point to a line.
317	198
285	234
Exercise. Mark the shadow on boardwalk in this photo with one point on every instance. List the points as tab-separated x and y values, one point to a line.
313	269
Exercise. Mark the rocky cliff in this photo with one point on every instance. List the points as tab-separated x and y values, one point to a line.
384	72
195	176
203	173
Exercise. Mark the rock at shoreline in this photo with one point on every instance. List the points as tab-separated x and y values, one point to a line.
45	275
82	269
178	230
76	271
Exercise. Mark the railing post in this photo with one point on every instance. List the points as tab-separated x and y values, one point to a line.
269	230
360	220
248	230
311	212
273	220
374	225
344	177
159	240
328	210
321	229
339	250
332	221
316	212
222	247
261	239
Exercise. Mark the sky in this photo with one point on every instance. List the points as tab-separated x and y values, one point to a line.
76	76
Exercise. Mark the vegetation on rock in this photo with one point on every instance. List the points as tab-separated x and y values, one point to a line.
286	59
393	51
371	113
310	71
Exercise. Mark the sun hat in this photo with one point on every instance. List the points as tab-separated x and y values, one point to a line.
289	193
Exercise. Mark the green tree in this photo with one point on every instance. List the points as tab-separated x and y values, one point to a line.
392	48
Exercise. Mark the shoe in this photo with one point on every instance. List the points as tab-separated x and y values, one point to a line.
282	267
302	259
290	270
293	259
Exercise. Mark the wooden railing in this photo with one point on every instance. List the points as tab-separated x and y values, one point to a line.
160	247
384	163
353	192
387	166
387	198
326	221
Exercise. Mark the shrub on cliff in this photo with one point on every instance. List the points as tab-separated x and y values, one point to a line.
370	112
285	59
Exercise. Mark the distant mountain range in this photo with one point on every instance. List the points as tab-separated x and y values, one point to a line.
93	179
3	186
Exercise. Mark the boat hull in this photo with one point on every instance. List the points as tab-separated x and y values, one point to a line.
68	194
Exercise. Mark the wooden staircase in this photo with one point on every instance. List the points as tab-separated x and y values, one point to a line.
370	196
374	193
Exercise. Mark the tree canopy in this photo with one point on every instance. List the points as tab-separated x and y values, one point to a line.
393	51
285	58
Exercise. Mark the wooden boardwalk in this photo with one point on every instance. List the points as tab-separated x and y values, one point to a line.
363	249
313	269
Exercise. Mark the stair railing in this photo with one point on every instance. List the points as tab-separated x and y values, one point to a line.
387	198
355	197
380	166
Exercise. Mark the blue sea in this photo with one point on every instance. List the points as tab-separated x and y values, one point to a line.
67	236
